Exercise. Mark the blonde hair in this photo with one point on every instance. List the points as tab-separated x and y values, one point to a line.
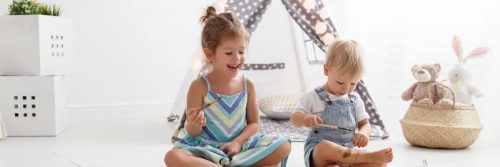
219	26
346	57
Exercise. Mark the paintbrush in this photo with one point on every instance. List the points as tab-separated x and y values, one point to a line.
211	103
336	127
177	131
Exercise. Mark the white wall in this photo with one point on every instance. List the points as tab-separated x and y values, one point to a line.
129	52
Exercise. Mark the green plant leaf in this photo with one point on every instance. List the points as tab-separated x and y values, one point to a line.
29	7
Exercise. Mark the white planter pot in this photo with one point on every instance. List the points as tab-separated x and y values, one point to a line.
35	45
33	105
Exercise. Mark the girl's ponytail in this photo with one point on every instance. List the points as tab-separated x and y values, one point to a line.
211	12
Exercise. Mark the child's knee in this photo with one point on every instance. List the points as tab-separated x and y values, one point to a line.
282	151
173	155
286	148
169	156
323	144
323	147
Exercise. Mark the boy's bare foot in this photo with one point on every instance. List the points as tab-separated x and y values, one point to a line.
332	166
380	156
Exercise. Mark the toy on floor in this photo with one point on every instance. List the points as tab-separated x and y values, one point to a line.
424	164
460	75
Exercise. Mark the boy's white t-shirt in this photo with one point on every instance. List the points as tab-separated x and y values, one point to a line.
310	102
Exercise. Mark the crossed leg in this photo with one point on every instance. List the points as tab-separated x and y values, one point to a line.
328	153
276	156
184	158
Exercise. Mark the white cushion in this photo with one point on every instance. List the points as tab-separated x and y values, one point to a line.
278	107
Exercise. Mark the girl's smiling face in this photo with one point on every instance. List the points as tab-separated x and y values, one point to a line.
229	56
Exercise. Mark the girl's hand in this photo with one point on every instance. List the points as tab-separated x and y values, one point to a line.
195	116
231	148
360	139
312	121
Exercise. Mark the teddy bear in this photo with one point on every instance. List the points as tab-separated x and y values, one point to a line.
427	90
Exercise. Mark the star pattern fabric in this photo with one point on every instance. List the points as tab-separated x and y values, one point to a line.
249	12
369	106
309	19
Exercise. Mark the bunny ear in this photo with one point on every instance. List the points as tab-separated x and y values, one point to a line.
457	47
478	52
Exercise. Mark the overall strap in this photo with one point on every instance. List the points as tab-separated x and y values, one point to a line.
206	81
323	95
352	98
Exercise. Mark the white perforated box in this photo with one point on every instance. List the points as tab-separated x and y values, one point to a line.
35	45
33	105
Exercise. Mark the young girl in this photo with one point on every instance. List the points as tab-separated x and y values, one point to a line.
335	104
224	133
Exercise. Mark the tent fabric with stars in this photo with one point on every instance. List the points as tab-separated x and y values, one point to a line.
313	19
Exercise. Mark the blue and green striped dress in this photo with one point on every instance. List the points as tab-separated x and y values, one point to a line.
224	122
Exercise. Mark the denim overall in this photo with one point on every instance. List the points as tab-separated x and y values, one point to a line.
340	113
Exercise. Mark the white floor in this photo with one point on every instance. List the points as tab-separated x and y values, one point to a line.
139	136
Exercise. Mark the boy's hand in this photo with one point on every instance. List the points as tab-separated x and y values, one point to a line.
195	116
312	121
360	139
231	148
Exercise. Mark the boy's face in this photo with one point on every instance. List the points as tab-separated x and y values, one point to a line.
338	83
229	56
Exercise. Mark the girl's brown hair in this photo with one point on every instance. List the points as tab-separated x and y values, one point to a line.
219	26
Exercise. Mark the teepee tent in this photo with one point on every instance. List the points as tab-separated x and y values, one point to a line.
313	19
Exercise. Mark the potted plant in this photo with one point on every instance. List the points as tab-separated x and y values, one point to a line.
30	7
34	39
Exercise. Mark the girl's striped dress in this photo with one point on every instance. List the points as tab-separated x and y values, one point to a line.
225	120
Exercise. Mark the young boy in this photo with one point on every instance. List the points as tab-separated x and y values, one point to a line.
336	105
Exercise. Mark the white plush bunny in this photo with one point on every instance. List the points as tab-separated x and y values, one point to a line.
460	76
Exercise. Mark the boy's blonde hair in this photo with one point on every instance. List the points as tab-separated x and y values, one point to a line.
346	57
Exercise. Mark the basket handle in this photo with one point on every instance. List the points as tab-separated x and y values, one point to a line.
452	94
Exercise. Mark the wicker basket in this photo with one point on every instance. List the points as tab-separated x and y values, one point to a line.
439	126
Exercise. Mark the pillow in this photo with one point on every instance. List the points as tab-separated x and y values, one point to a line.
278	107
